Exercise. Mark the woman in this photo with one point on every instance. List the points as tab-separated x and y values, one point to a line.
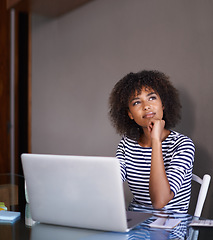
156	161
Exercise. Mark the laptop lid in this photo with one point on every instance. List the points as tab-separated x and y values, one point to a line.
77	191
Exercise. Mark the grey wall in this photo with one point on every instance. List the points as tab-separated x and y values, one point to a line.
78	57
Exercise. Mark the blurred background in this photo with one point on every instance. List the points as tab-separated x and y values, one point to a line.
70	54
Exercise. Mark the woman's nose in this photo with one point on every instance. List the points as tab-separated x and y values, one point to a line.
146	107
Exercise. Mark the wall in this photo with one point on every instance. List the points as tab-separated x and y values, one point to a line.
78	57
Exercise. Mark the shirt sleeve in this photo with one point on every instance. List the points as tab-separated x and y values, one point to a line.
181	163
120	154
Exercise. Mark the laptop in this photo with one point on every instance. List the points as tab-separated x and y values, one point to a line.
78	191
43	231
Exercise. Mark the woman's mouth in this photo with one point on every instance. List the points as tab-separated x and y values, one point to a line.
149	115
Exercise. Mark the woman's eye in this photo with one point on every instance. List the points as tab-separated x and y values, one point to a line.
136	103
152	98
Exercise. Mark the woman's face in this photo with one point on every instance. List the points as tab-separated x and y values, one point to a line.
144	106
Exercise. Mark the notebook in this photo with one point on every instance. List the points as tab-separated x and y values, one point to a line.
78	191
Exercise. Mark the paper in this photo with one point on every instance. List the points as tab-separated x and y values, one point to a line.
9	216
166	223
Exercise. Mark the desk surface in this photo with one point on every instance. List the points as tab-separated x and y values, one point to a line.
20	231
26	229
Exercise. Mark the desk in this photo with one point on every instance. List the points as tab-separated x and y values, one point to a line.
25	229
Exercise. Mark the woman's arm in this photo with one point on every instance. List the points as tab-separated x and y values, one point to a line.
159	187
120	155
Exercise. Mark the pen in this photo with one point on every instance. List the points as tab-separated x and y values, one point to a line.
164	223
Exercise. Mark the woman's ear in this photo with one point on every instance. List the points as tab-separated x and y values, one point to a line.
130	115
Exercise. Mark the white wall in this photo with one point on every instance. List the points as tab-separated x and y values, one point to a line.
78	57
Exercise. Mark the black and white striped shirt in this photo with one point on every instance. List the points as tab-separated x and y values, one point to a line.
178	154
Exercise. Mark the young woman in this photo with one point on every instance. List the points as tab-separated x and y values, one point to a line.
156	161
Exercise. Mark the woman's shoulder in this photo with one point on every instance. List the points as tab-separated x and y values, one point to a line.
128	142
179	138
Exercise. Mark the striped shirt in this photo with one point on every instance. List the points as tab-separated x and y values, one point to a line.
178	155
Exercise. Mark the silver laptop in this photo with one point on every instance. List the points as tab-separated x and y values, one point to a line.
78	191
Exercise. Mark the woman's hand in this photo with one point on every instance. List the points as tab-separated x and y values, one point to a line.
156	129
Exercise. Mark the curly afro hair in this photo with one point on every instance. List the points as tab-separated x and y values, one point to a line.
132	83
